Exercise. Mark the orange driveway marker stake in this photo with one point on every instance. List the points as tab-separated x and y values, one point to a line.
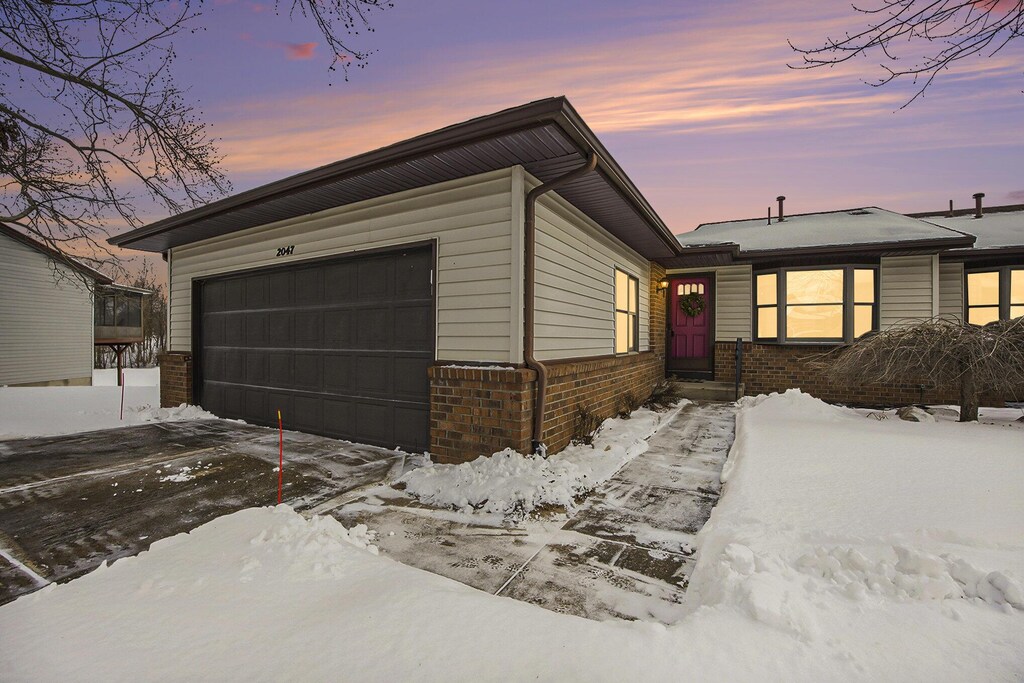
280	463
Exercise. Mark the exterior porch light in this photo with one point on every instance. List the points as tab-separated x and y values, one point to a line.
662	286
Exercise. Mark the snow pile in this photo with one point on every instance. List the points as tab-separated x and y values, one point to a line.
923	520
51	411
513	485
830	519
912	575
177	414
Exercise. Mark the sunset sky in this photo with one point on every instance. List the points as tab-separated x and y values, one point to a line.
694	99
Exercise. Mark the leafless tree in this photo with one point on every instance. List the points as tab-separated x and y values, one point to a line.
93	123
941	352
942	32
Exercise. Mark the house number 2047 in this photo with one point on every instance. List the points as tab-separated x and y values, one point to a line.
286	251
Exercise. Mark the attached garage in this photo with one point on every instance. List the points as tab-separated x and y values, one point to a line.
340	346
410	296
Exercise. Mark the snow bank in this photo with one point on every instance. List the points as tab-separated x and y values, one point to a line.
511	484
51	411
830	517
133	377
844	549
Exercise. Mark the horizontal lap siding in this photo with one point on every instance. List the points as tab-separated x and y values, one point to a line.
45	319
575	292
732	307
951	289
906	289
470	218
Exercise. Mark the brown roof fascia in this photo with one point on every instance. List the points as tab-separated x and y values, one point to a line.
524	117
54	255
943	244
703	255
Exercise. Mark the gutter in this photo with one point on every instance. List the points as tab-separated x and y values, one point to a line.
529	293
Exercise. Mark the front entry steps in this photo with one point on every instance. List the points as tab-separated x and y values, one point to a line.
698	390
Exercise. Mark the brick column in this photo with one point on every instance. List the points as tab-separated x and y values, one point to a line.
175	378
478	411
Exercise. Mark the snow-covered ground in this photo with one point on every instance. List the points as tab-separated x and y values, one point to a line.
844	548
513	485
51	411
133	377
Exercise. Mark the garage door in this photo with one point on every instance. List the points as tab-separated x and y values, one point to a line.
340	347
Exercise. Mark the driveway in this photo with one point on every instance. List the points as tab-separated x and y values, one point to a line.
69	503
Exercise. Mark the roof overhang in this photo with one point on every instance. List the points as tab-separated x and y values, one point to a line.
547	138
905	248
702	256
126	288
54	255
725	254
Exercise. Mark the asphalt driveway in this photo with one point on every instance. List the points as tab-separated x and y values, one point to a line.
69	503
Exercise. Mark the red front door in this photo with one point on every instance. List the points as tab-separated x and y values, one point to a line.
689	324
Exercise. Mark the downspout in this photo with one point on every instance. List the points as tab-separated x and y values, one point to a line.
529	286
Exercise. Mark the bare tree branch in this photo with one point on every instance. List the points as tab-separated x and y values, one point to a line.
942	32
93	124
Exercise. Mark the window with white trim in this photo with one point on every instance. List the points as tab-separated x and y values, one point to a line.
994	294
627	317
830	304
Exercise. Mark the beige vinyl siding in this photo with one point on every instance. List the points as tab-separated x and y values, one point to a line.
45	319
575	291
470	218
733	299
951	289
907	289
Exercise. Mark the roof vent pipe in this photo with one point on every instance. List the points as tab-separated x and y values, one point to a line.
978	196
950	213
782	215
529	288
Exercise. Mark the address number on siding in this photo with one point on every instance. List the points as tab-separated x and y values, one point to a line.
286	251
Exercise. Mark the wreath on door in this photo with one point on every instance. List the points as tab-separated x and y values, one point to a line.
692	304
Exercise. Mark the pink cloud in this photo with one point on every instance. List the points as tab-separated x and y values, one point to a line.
293	51
299	50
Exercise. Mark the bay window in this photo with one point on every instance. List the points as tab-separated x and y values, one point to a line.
994	294
834	304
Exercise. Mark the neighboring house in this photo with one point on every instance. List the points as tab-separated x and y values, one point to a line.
992	284
434	295
792	289
47	330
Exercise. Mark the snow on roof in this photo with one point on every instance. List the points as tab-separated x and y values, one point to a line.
993	230
868	225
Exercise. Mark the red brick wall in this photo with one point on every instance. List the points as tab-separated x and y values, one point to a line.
475	411
598	386
175	378
775	367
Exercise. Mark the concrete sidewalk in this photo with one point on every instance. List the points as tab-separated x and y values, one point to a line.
626	554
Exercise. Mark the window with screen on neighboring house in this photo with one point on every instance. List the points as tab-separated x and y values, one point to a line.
994	294
627	317
831	304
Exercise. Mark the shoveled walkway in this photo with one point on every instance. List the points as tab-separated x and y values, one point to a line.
626	554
